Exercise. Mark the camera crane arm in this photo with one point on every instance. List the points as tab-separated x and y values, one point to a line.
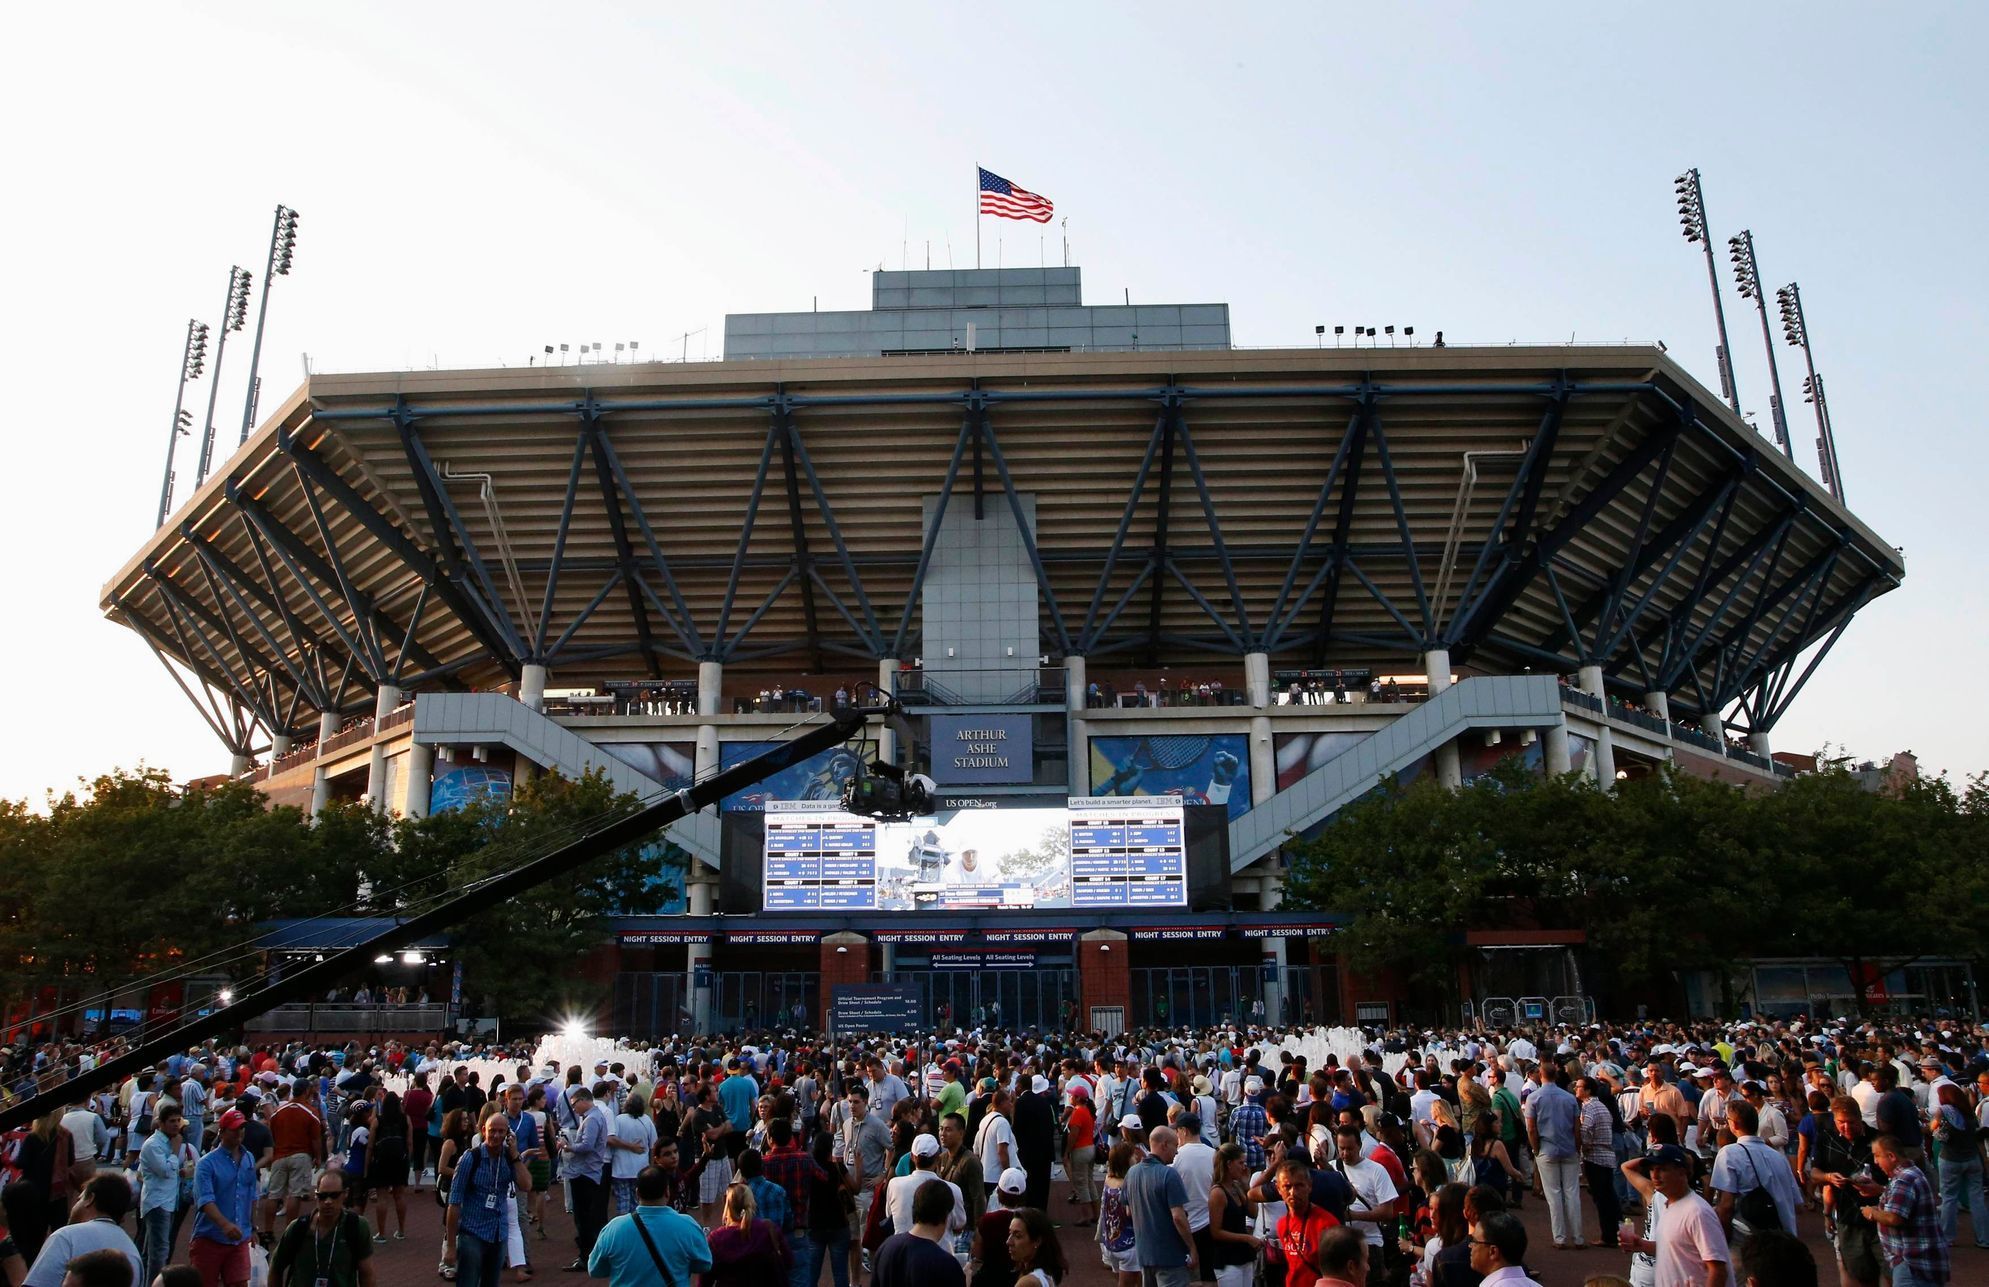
313	978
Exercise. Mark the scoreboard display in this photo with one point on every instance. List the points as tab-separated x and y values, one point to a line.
1121	852
1128	852
819	858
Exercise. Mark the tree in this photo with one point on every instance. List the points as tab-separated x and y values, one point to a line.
525	954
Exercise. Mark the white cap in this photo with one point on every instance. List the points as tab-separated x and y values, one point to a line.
1013	1180
927	1146
1040	1084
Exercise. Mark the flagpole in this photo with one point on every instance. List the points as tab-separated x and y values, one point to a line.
977	214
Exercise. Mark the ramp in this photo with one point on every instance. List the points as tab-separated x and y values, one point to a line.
1502	701
493	719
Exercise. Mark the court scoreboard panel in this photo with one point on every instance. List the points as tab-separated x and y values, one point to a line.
1106	852
1128	851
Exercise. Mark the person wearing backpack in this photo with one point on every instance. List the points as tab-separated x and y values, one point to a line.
332	1247
1757	1190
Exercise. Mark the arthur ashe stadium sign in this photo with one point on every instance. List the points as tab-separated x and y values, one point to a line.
981	750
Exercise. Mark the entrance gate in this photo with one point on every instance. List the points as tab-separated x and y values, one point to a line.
757	999
1027	998
1201	995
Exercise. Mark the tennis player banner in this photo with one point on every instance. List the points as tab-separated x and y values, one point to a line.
1205	769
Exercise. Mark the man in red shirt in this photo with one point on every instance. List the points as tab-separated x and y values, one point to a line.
1302	1226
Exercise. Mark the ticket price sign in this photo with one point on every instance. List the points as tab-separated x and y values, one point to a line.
1128	852
819	858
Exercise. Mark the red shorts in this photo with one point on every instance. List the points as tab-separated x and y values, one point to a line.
219	1264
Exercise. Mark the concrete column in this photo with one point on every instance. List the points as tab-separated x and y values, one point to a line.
279	746
698	899
532	685
1658	703
844	959
887	740
1714	727
887	958
1759	743
1554	749
523	771
711	686
1263	760
420	777
320	784
239	764
1075	729
1449	767
1257	677
705	762
1590	679
376	769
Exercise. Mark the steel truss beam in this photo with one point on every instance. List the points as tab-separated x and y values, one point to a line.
231	733
977	411
1527	552
1336	557
224	575
452	540
418	561
187	617
1777	692
677	615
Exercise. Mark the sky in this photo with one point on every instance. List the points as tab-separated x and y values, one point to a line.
476	181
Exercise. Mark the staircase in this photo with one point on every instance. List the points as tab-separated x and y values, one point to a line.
1485	702
492	719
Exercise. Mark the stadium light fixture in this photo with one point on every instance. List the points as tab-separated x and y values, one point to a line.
1692	223
1319	336
1795	329
282	254
193	360
234	316
1747	276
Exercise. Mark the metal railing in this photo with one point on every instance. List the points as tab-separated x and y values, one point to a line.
1008	687
344	1016
1693	737
1580	700
1642	719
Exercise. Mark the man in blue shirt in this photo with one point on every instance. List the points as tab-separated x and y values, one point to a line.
1158	1203
224	1203
738	1094
478	1199
585	1169
622	1254
1553	1130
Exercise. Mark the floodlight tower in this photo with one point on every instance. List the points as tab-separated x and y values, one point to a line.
192	361
234	314
1747	274
1795	329
1692	221
282	247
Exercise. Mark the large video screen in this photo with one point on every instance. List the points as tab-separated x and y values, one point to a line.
1095	853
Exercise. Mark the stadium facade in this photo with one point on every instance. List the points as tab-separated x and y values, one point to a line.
1097	546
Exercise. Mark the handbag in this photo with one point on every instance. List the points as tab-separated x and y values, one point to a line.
654	1254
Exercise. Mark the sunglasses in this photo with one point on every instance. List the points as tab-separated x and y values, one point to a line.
333	1196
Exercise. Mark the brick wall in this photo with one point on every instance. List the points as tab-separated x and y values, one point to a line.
839	968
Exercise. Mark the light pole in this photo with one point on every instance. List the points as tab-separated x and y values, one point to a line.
1795	329
1746	272
1692	220
192	361
282	246
234	313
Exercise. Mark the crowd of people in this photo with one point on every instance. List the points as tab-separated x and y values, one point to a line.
1699	1152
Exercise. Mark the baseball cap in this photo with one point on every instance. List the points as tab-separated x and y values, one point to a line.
989	1083
1667	1155
233	1120
925	1146
1013	1180
1251	1085
1039	1084
1079	1091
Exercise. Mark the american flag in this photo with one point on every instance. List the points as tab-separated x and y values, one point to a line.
1001	198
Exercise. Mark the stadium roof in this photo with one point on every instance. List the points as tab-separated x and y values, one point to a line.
1528	507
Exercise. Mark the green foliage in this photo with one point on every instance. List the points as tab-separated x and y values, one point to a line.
131	875
1667	873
